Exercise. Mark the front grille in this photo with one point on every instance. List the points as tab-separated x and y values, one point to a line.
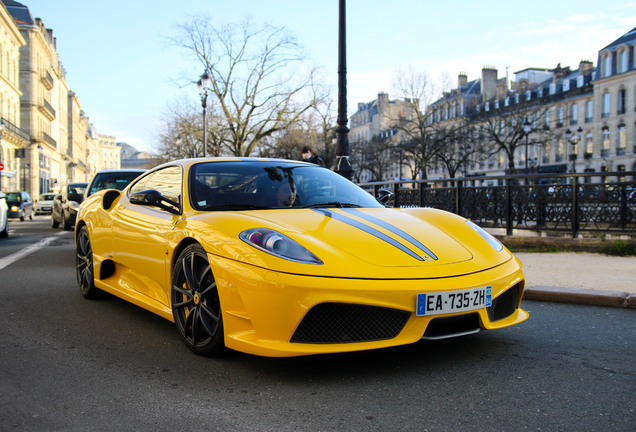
329	323
504	305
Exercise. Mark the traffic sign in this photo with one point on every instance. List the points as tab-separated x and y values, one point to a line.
1	166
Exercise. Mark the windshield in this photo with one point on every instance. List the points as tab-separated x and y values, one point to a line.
77	188
271	185
112	180
14	197
47	197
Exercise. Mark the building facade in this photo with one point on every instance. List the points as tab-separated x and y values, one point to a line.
581	120
13	139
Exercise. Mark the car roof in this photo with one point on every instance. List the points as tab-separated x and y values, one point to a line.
125	170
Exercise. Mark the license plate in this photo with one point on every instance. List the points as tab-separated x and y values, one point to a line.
46	208
454	301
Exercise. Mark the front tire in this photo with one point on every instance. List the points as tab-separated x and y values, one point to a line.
5	232
196	307
84	265
66	225
54	223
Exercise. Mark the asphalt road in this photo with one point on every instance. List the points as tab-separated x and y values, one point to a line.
70	364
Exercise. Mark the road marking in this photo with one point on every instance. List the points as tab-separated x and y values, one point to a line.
27	250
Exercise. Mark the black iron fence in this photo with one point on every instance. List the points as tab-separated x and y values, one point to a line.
563	202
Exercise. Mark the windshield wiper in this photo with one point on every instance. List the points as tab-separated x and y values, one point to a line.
336	204
233	207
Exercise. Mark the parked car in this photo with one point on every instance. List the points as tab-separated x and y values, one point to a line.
112	179
44	204
66	205
4	217
286	258
20	205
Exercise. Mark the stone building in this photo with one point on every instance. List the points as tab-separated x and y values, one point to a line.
586	116
380	118
12	137
111	152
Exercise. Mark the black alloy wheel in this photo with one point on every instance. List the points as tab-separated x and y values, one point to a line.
84	265
196	307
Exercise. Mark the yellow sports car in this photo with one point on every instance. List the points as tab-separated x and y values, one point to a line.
282	258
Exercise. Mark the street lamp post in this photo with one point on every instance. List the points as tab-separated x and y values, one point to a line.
574	140
343	165
204	85
527	127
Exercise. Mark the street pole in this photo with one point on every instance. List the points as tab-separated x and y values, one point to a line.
204	84
343	165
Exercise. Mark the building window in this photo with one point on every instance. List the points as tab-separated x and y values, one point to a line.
580	81
589	144
606	105
528	95
621	101
546	124
605	142
559	117
574	114
560	150
589	111
607	66
622	140
624	62
566	85
546	153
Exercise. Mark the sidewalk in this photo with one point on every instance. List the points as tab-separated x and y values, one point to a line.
586	278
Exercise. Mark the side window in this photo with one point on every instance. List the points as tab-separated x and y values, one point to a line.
167	181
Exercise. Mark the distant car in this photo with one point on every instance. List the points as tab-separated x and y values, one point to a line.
4	217
20	205
44	205
66	205
112	179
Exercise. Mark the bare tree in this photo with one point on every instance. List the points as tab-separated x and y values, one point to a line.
376	155
503	130
422	136
259	78
182	133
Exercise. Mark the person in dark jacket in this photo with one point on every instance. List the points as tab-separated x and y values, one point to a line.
308	155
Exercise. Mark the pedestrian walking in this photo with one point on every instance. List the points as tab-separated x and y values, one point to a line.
308	155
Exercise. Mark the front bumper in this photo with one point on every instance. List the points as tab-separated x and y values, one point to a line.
262	309
14	214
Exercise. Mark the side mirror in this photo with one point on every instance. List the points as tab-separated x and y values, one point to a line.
154	198
386	198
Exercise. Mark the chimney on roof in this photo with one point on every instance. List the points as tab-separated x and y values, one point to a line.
560	72
585	66
462	80
383	102
502	88
488	82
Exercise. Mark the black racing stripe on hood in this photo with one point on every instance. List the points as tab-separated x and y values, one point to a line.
369	230
395	230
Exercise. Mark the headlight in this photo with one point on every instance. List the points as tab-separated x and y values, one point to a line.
279	245
486	235
14	208
73	205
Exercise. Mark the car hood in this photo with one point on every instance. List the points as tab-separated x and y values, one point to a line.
361	243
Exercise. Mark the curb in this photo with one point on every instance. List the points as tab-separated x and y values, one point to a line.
581	296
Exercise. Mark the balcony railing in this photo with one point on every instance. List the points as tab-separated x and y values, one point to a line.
25	135
604	152
44	137
47	79
621	151
605	115
574	122
589	119
535	202
47	109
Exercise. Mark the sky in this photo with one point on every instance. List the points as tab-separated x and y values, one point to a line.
125	72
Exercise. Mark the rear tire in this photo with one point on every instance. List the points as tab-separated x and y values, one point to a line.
22	216
54	223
